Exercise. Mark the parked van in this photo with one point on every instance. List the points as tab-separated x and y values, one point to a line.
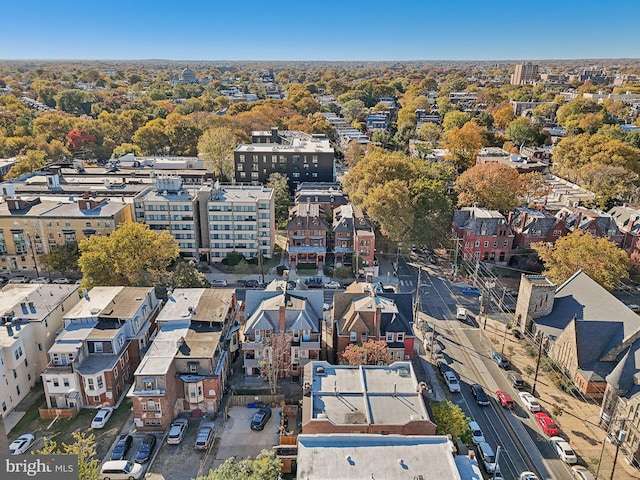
461	314
121	470
515	379
485	453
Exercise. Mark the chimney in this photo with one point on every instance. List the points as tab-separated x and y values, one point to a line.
282	317
9	329
274	135
510	218
377	316
523	223
578	219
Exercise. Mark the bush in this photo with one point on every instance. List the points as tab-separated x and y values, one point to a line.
232	259
328	271
343	272
306	266
517	334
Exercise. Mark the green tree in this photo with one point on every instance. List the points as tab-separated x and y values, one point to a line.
183	134
451	420
125	148
492	185
371	352
280	184
216	147
580	115
186	275
132	255
30	162
266	466
72	101
430	132
63	259
599	258
151	137
455	118
521	132
84	447
354	110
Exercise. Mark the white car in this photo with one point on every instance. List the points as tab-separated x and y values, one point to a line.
333	285
529	401
177	431
528	476
101	418
61	281
41	280
219	283
562	448
452	381
581	473
21	444
476	434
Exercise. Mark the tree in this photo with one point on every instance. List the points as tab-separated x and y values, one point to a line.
492	185
521	132
30	162
601	259
216	146
371	352
125	148
354	152
354	110
63	259
84	448
503	117
280	184
72	101
151	137
577	116
80	142
276	358
183	134
132	255
430	132
454	118
464	143
186	275
609	183
451	420
266	466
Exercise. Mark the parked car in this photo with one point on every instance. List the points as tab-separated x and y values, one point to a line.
102	417
476	434
205	436
470	291
333	284
452	381
562	448
3	279
488	458
177	430
546	424
20	279
461	314
529	401
326	307
41	280
261	418
515	379
219	283
122	447
528	476
61	281
145	449
314	282
250	283
501	359
581	473
478	392
442	367
121	470
21	444
505	399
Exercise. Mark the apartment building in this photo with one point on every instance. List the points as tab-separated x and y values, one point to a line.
284	325
299	156
31	226
236	219
32	313
170	206
307	234
354	240
483	234
92	361
524	73
186	367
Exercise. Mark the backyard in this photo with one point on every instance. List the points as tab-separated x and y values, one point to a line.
60	430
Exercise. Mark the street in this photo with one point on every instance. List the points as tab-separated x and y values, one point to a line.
468	353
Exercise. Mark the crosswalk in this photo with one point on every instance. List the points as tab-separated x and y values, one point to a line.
406	283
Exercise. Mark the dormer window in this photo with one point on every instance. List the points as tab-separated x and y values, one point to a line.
193	367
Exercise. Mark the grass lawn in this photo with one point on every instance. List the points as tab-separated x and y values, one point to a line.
61	430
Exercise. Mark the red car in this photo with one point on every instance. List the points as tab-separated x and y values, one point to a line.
505	399
546	424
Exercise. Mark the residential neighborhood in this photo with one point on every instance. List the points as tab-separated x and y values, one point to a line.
352	261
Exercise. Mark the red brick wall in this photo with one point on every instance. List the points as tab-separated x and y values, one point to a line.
421	427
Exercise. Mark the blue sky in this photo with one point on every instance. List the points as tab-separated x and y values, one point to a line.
319	30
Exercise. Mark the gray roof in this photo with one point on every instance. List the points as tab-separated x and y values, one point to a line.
480	220
303	310
537	223
626	218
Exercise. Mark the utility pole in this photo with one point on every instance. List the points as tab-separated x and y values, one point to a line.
33	254
622	436
475	272
535	378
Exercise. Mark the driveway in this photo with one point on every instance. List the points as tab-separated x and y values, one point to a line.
238	440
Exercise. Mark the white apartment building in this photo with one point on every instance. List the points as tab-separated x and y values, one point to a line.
32	313
238	218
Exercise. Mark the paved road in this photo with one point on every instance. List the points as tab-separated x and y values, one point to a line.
468	353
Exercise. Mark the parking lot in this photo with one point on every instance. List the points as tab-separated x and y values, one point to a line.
137	439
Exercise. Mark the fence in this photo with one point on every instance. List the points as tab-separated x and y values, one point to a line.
47	413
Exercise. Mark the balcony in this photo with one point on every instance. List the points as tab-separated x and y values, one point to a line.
310	345
52	368
251	345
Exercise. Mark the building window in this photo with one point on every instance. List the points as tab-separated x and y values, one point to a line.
65	381
389	336
115	372
90	384
401	336
353	336
96	399
193	367
477	243
56	383
486	244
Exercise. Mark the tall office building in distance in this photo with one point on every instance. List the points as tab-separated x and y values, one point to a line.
524	73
